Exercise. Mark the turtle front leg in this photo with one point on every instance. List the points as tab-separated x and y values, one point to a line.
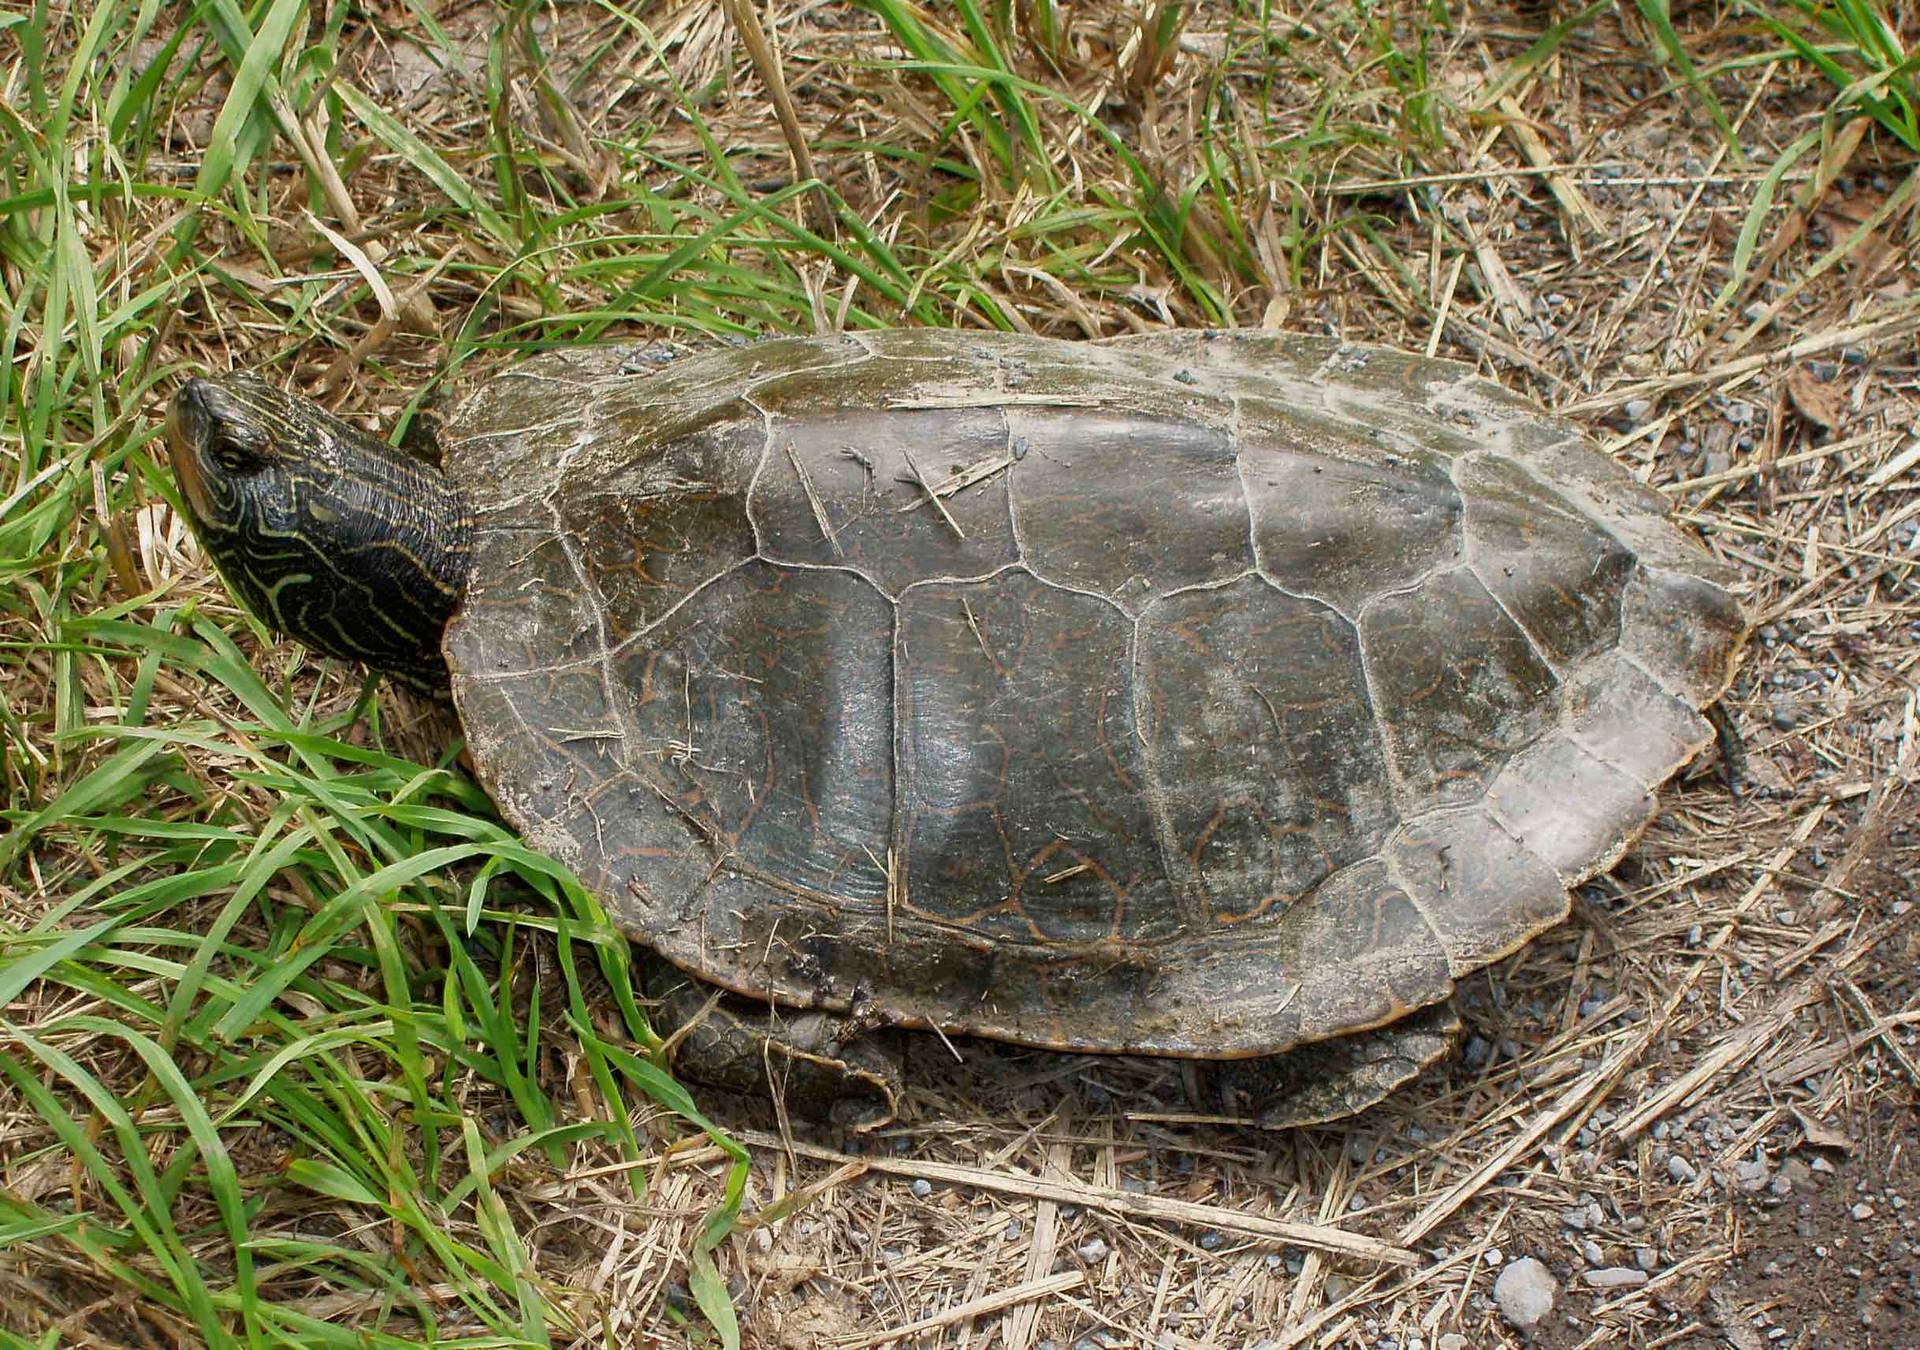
824	1065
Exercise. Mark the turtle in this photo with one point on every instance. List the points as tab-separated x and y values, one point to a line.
1218	695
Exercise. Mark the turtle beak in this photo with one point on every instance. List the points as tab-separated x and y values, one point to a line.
187	427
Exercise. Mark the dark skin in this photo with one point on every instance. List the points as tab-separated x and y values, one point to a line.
322	531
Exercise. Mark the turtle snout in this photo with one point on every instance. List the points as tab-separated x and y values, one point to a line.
189	422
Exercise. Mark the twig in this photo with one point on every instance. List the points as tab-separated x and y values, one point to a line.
1020	1293
813	500
932	496
1324	1237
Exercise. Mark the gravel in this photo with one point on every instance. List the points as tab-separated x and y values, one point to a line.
1525	1292
1616	1277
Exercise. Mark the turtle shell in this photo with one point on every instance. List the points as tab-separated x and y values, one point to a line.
1196	694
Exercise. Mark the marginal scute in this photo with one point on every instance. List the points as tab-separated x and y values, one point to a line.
1261	742
1686	631
1614	499
1399	399
1238	361
1453	719
1337	521
1483	891
1360	952
1626	719
647	387
1572	810
572	790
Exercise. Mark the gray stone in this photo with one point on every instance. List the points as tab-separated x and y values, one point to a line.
1453	1340
921	1188
1591	1250
1647	1259
1525	1292
1680	1169
1615	1277
1093	1251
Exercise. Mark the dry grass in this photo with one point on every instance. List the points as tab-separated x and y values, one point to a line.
1741	989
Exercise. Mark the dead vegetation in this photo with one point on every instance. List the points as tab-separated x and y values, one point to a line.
1735	1003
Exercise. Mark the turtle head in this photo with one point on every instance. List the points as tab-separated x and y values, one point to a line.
327	534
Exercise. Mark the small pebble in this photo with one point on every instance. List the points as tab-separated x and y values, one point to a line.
1647	1259
1493	1257
1576	1219
1863	1212
921	1188
1213	1240
1591	1250
1525	1292
1453	1340
1680	1169
1615	1277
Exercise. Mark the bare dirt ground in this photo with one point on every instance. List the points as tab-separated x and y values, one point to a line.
1694	1101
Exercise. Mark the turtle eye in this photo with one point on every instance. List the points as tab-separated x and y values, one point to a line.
234	457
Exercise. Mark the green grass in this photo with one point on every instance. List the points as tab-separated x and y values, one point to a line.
255	962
